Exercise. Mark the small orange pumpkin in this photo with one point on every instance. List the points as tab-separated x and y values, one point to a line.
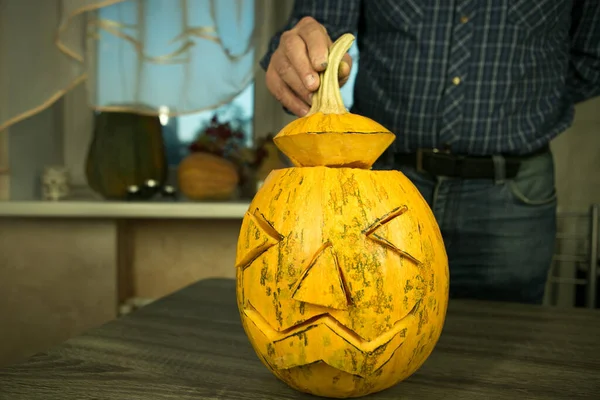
205	176
342	275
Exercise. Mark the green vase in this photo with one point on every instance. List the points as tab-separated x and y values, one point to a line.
127	150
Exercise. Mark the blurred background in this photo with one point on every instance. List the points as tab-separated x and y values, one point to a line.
134	133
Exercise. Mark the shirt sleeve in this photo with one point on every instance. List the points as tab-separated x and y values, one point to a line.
337	16
584	70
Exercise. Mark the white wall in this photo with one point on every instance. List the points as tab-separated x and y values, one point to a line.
577	156
33	144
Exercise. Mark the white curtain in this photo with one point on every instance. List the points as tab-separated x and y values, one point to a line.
183	56
186	55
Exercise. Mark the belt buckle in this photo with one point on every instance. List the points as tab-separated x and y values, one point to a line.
422	152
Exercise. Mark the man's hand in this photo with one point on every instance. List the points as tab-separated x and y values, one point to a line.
293	72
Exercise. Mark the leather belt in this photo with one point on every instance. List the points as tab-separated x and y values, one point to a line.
444	163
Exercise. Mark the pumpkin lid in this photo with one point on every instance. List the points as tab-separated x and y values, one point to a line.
329	135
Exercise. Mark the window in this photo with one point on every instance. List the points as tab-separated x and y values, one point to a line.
181	130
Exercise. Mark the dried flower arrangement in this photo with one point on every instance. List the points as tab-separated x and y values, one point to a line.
229	144
223	140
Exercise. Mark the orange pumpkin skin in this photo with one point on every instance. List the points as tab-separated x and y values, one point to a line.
342	279
204	176
342	275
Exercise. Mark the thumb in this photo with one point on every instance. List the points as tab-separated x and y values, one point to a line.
344	69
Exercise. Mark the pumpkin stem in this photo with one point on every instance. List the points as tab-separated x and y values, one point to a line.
329	135
328	98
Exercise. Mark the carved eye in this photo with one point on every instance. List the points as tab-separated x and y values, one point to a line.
384	231
261	236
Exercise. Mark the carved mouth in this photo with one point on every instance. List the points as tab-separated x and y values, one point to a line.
366	357
350	336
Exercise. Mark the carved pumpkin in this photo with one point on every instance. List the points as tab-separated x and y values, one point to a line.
342	275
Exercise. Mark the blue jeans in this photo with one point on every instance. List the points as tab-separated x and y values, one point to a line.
499	233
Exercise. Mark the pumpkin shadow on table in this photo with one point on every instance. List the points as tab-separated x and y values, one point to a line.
480	354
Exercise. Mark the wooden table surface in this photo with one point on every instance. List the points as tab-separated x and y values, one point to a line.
191	345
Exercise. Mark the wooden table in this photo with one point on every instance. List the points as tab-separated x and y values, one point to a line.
191	345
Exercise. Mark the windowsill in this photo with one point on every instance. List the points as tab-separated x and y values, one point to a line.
127	210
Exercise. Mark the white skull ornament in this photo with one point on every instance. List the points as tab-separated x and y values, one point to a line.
55	183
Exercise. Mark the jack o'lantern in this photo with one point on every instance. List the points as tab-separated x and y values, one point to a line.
342	275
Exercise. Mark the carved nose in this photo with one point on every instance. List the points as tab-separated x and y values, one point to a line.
322	283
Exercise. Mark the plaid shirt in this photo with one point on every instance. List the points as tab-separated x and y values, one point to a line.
477	76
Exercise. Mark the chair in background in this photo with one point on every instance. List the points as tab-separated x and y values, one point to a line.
573	277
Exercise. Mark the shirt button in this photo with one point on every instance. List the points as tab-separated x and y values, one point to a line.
456	80
464	19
